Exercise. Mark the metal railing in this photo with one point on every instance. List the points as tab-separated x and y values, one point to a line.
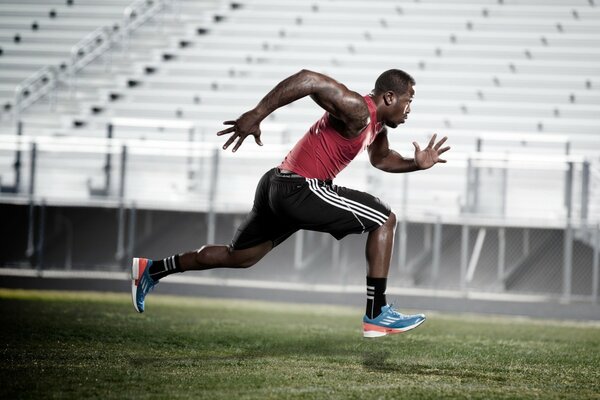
87	50
58	170
40	84
140	11
519	200
95	44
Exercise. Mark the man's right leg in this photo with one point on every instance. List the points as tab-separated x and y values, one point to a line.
254	238
145	273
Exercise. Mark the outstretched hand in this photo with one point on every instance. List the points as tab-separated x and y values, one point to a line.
430	156
247	124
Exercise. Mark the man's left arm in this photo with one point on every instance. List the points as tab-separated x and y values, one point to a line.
388	160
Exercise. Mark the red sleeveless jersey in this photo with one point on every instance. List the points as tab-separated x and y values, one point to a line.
323	152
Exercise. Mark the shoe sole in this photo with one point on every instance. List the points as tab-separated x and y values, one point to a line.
375	331
135	268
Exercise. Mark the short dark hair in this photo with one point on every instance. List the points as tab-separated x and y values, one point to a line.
394	80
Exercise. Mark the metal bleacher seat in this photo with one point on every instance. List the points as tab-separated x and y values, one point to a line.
495	66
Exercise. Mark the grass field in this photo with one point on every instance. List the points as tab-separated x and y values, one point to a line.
93	345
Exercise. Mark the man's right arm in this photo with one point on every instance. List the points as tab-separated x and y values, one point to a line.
341	103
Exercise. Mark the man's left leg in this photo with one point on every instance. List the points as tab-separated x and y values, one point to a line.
380	318
342	211
378	252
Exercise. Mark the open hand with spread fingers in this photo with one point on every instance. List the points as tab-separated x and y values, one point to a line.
247	124
430	155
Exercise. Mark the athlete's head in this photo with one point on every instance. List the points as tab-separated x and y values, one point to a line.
395	87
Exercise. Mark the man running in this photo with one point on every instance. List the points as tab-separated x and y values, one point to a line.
299	193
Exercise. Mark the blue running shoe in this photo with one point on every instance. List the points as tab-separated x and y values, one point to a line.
141	282
389	322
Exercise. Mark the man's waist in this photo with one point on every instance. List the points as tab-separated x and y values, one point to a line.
288	174
284	173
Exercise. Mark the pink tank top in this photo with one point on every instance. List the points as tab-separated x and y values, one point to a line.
322	152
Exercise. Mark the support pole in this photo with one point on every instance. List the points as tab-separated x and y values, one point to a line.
437	251
212	195
502	256
31	236
335	254
567	262
123	172
299	250
595	264
18	156
103	191
585	190
131	239
120	253
41	237
108	162
402	267
16	166
464	256
569	190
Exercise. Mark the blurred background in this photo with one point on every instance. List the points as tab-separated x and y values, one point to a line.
108	115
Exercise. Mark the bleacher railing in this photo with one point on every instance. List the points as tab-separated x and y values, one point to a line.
564	177
58	169
40	84
87	50
98	42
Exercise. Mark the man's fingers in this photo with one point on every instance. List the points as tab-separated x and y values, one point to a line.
440	160
239	143
417	148
440	143
229	141
257	140
227	130
224	131
445	149
432	141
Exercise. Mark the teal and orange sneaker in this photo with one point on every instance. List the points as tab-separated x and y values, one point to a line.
141	282
389	322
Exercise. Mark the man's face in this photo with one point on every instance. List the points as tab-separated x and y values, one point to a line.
398	107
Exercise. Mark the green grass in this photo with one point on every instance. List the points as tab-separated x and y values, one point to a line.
92	345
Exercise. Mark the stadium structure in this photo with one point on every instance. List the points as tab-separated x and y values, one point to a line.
108	115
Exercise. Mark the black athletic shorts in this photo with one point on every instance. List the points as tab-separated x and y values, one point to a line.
285	203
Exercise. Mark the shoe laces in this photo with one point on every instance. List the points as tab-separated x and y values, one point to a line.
395	313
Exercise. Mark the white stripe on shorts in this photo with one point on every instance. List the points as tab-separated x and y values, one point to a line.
314	187
360	205
347	204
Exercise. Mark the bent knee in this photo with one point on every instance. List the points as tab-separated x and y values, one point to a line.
391	221
248	257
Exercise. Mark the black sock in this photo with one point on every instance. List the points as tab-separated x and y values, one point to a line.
375	296
161	268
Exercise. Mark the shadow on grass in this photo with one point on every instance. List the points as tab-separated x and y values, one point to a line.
372	355
379	361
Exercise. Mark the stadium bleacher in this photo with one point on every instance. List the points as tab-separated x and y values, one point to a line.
484	69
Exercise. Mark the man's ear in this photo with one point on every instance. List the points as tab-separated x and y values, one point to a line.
389	98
